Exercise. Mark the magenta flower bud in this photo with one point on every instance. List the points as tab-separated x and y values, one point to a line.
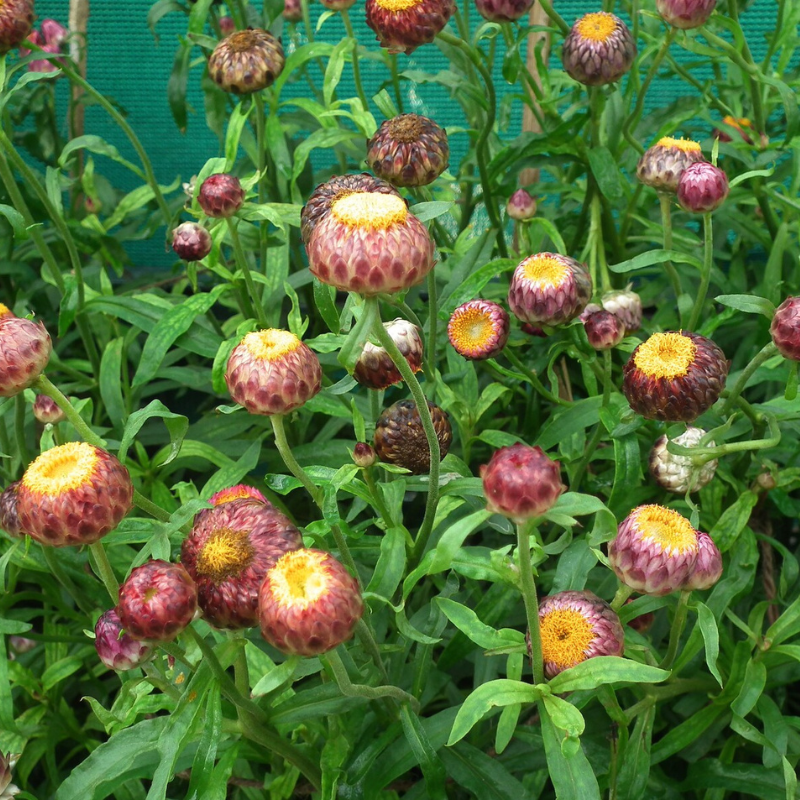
53	32
47	411
478	329
662	165
364	455
246	61
337	5
157	601
9	516
708	567
676	473
549	289
25	349
576	626
402	26
604	330
685	14
503	10
16	22
785	328
521	482
627	306
655	551
376	370
221	195
702	188
191	242
227	26
521	206
598	50
20	645
116	649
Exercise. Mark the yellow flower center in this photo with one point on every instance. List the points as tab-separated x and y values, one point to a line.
472	328
740	122
5	311
61	469
545	271
406	128
566	636
598	26
672	532
397	5
225	555
371	210
271	344
665	355
239	492
299	578
685	145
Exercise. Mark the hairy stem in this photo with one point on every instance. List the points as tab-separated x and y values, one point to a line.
528	587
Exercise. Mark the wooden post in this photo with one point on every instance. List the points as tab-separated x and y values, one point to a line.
529	121
78	21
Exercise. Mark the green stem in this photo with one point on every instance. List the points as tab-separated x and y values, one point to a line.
377	499
607	377
104	570
261	146
554	16
19	430
433	319
591	446
705	276
532	378
241	671
398	93
141	502
766	352
285	450
621	597
356	68
528	587
241	262
678	623
599	246
666	226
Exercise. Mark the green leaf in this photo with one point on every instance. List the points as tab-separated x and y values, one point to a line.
98	146
203	764
627	473
755	680
729	526
606	172
427	211
354	344
634	761
433	770
753	173
231	474
178	83
466	620
391	563
473	284
453	538
601	670
484	777
708	627
561	425
13	627
177	425
552	232
60	670
681	736
333	72
324	297
652	257
735	780
16	220
111	381
749	303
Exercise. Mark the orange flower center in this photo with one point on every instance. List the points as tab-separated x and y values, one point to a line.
370	210
672	532
685	145
740	122
545	271
471	328
5	311
397	5
598	26
62	469
665	355
299	578
566	636
271	344
225	555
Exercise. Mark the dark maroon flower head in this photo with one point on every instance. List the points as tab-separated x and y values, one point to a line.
221	195
503	10
191	242
604	330
16	22
785	328
25	349
702	188
9	517
402	26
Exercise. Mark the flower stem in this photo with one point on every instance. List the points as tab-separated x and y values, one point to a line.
241	262
19	430
621	597
433	311
705	276
528	587
666	226
282	444
104	571
607	375
356	68
678	623
766	352
261	147
532	378
554	16
398	94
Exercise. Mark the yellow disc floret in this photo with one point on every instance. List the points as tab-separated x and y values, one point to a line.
740	122
61	469
271	344
598	26
370	210
397	5
665	355
299	578
545	271
672	532
472	328
566	636
5	311
225	554
684	145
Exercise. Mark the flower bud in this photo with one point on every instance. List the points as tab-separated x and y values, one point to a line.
74	494
685	14
662	165
272	372
627	306
9	515
503	10
674	377
521	482
370	243
521	206
678	473
376	369
708	567
337	5
228	553
157	601
598	50
221	195
702	188
25	349
402	26
400	438
20	645
46	410
191	242
308	603
532	330
478	330
408	150
785	328
246	61
576	626
604	330
363	455
116	649
16	22
227	26
549	289
643	622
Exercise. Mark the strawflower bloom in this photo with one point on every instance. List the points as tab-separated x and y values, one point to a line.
400	438
308	603
16	22
337	5
702	188
656	552
9	515
74	494
604	330
685	14
115	648
521	206
576	626
25	349
674	376
678	473
478	329
408	150
272	372
626	305
521	482
46	410
246	61
364	455
785	328
376	369
157	601
191	242
228	553
598	50
503	10
221	195
402	26
708	567
662	165
549	289
370	243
